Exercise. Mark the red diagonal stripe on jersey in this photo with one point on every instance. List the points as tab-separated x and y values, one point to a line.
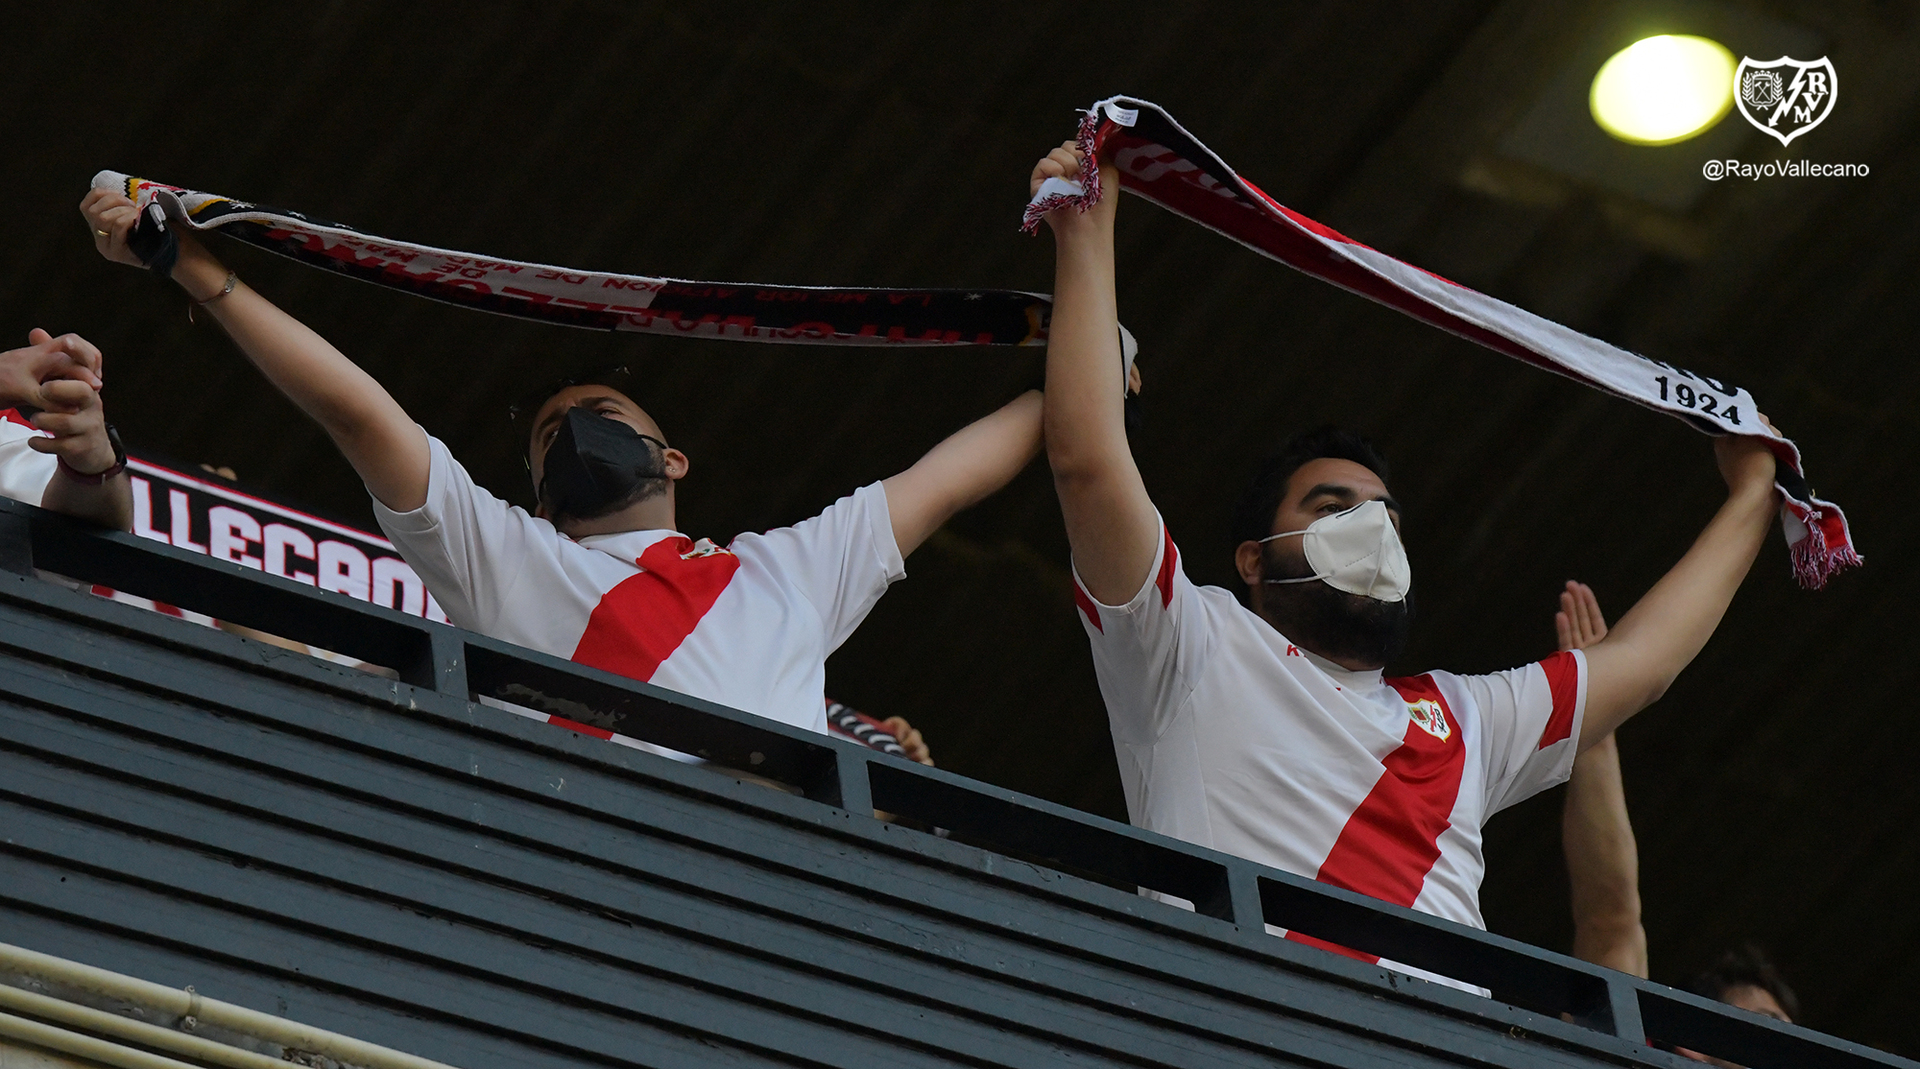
639	623
1087	609
1563	679
1169	560
1392	840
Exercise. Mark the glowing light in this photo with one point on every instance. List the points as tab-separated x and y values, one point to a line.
1663	89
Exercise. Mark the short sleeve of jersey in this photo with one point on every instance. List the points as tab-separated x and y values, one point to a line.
469	547
1529	725
1148	652
24	473
842	560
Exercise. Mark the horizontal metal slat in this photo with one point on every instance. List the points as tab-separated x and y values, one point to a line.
1255	978
1116	1020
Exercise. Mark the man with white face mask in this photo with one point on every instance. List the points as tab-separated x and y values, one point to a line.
1266	729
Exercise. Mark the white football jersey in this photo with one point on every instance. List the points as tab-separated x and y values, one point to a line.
748	626
24	472
1231	737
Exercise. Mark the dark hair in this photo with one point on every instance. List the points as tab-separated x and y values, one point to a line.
1746	966
1253	516
521	410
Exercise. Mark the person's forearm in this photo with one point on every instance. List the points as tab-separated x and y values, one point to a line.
986	454
378	438
109	503
1109	518
962	470
1603	864
1643	653
1621	946
300	363
1085	417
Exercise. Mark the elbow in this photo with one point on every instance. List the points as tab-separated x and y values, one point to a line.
1623	948
1613	909
1638	674
1076	465
1067	470
1656	689
344	420
1075	478
1085	462
1079	439
1613	921
1063	458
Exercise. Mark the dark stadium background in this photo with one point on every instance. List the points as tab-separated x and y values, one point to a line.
888	144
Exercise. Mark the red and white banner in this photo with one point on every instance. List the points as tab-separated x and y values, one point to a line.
1160	161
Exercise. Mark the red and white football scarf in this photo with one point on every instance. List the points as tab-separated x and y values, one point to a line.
1157	160
1162	162
850	723
596	300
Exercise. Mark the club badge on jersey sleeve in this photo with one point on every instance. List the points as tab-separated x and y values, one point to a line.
1432	719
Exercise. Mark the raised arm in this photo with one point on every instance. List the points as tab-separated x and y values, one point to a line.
970	464
1603	861
376	435
1111	522
1633	666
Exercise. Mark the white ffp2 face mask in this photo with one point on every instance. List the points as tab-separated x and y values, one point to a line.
1357	551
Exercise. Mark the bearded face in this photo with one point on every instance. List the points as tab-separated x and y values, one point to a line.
1347	628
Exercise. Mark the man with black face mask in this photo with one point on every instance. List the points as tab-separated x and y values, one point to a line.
598	572
1265	727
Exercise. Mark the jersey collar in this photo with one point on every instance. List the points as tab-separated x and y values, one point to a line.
628	545
1361	681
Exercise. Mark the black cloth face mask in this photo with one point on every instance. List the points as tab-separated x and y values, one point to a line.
598	465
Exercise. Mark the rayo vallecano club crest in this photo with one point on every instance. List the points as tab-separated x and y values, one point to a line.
1427	713
1785	97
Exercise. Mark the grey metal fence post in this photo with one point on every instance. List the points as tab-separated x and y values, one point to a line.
856	791
449	653
1623	1005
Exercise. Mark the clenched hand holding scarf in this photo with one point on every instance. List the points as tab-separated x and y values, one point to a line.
1156	159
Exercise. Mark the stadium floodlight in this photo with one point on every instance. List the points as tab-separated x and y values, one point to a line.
1664	89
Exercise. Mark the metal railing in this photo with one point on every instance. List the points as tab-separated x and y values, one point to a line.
1617	1014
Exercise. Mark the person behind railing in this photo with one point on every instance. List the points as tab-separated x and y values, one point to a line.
1603	862
57	449
1263	727
1743	977
599	572
890	736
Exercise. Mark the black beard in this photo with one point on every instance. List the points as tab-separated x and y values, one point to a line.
1343	627
651	486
